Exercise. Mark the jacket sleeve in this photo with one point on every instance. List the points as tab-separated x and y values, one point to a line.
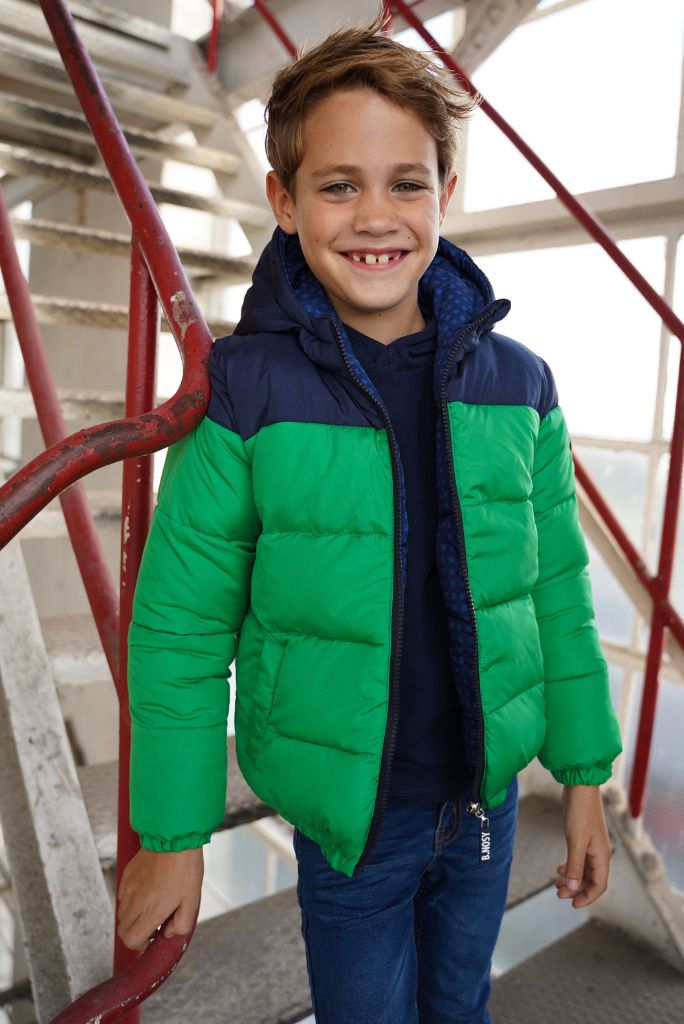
190	600
582	735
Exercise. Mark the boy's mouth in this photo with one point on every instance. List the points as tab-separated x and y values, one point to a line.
365	260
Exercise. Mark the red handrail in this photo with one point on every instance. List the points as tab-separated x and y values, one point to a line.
136	516
118	998
212	51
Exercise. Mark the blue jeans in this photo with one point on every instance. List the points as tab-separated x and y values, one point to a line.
410	940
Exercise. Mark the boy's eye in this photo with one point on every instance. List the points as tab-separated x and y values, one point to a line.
339	187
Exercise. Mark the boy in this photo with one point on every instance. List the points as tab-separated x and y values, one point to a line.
380	506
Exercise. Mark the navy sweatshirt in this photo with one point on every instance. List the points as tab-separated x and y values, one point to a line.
429	763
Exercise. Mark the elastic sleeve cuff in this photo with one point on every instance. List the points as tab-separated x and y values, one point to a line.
594	776
191	841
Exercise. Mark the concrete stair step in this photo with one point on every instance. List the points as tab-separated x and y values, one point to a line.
121	22
49	523
539	831
50	309
24	161
104	42
595	973
231	269
99	787
27	116
73	646
90	406
41	67
246	966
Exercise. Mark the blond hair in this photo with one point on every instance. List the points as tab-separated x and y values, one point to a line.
361	56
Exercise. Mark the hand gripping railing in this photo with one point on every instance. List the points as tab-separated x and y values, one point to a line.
156	274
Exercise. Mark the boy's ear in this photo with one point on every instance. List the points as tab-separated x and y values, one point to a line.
446	195
281	203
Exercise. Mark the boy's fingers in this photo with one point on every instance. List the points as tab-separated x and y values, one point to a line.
181	922
588	894
575	865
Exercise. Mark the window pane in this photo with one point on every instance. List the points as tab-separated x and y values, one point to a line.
593	89
664	798
613	609
577	310
621	479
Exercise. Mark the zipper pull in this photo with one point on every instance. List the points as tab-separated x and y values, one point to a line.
475	808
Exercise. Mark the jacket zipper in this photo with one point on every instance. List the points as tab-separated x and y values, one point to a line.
474	805
397	627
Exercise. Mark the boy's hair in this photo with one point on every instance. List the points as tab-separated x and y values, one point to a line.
361	56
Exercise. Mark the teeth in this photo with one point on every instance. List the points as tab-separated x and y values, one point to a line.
370	259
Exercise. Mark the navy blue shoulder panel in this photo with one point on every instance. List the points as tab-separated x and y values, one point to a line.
503	371
268	378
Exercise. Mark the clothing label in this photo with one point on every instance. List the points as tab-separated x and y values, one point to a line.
485	840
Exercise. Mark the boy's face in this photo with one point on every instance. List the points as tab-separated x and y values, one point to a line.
367	185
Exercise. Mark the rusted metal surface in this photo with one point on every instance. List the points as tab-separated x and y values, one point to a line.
659	585
46	476
136	515
118	997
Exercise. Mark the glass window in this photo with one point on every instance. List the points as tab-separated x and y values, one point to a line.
575	308
593	89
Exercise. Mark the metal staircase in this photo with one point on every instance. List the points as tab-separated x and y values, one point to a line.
58	800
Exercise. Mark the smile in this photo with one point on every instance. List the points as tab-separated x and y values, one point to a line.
366	261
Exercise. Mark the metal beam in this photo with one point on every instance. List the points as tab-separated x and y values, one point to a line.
250	53
62	898
488	23
628	211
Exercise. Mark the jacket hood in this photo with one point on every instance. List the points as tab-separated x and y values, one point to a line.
285	296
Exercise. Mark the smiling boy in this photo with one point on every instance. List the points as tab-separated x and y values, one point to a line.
377	518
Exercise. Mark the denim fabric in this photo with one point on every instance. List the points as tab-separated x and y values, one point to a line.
410	939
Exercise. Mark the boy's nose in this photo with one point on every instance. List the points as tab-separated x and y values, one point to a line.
374	214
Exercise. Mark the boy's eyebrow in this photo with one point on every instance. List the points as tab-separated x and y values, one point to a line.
323	172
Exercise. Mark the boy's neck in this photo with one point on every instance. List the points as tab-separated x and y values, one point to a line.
385	328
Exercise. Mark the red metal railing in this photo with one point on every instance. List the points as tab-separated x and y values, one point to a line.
215	35
156	273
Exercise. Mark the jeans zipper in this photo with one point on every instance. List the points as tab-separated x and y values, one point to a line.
397	628
474	805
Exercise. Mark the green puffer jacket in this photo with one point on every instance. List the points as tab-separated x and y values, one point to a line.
279	539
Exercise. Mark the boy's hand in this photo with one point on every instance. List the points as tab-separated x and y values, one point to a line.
155	885
585	872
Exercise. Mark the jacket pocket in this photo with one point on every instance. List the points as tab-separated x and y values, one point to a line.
270	665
